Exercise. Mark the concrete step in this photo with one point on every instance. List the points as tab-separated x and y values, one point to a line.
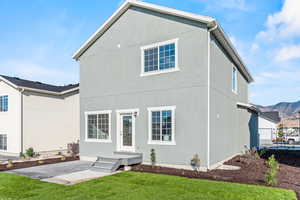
108	165
102	169
104	164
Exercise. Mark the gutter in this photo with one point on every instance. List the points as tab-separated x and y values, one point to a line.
208	92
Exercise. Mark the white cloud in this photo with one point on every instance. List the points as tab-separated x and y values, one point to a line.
288	53
283	24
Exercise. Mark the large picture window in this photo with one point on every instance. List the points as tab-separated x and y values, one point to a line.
98	126
3	103
3	142
159	57
162	125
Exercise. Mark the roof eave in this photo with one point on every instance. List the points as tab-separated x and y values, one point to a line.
49	92
229	47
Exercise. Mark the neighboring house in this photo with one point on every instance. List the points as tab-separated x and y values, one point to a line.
38	115
267	123
153	77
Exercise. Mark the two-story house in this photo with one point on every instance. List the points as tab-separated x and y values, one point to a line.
38	115
153	77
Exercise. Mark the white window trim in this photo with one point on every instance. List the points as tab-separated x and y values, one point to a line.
143	48
150	110
109	126
236	80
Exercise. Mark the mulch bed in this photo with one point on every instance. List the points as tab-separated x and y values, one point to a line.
25	164
252	171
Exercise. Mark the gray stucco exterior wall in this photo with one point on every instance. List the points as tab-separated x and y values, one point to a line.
110	80
229	130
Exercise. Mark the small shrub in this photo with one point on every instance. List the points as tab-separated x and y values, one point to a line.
195	162
9	164
271	174
30	153
153	157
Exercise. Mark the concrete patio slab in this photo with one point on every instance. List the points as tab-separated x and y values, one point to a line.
76	177
52	170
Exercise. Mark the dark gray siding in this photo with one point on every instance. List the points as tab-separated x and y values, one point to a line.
110	79
229	130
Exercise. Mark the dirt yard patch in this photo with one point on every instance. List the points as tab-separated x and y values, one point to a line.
252	171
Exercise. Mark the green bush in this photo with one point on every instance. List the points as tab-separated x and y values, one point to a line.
272	173
22	155
153	157
30	153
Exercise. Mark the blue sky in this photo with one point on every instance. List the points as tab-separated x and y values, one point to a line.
38	38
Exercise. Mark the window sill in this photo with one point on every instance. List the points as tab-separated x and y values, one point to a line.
161	143
98	141
159	72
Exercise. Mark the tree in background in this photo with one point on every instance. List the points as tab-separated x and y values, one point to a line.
280	131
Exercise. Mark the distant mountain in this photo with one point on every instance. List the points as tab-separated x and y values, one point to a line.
285	109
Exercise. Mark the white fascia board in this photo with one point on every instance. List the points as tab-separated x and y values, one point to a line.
49	92
8	82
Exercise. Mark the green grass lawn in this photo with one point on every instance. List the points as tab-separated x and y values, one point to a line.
136	186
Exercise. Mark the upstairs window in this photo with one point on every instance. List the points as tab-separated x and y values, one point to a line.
159	58
3	103
234	79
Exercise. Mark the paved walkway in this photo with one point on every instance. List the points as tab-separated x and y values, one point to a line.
61	173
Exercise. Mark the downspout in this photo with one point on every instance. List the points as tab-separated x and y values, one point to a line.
22	132
208	92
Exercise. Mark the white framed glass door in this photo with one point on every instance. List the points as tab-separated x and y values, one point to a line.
126	129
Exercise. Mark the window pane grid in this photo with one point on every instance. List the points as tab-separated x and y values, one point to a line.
167	56
3	103
98	126
103	126
162	125
151	59
3	142
160	58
